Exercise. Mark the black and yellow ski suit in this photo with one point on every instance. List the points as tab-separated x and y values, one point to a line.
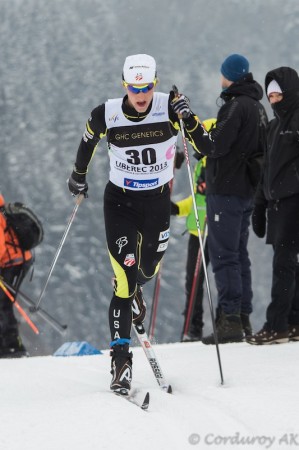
141	149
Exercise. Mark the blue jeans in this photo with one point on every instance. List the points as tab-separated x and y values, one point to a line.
228	222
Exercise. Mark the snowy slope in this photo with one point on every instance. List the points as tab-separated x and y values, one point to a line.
64	403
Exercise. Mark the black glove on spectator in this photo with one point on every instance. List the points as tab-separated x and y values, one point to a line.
174	209
77	184
179	159
259	220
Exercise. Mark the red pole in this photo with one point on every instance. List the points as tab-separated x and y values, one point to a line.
19	308
195	282
193	292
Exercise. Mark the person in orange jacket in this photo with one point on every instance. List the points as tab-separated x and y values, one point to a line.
14	264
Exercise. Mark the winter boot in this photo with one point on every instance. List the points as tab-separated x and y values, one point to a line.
294	332
12	346
266	337
246	325
138	306
121	369
228	328
194	334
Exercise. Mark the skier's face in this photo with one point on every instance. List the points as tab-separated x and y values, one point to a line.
140	95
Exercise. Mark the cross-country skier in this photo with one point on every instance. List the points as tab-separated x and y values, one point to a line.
141	131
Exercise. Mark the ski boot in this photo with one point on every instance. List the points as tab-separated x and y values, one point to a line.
121	369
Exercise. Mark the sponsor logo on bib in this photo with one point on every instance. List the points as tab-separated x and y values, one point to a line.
141	184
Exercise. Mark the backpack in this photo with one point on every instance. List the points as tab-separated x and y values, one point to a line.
24	223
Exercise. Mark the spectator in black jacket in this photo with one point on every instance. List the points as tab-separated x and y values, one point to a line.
233	149
278	197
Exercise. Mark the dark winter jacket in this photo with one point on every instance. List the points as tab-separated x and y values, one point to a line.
281	169
234	147
279	187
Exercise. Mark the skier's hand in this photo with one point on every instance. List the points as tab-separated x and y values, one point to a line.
77	184
181	106
258	220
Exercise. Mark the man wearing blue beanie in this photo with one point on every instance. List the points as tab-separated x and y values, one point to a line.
234	152
235	67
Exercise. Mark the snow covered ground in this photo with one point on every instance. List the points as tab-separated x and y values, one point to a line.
58	403
59	60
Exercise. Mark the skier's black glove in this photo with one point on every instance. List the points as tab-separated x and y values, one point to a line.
179	159
181	106
258	220
77	184
174	209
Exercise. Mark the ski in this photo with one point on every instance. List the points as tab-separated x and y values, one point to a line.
130	396
151	357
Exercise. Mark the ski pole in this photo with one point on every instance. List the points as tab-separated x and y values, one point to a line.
21	310
194	287
42	313
175	89
78	202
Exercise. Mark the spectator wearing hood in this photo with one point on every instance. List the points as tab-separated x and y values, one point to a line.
276	211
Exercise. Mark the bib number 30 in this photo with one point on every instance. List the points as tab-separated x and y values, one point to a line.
147	156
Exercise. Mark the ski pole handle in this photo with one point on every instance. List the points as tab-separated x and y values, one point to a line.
184	114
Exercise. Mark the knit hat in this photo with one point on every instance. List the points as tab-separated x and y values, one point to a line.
139	69
234	67
273	86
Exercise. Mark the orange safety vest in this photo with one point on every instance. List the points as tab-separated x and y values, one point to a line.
10	252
